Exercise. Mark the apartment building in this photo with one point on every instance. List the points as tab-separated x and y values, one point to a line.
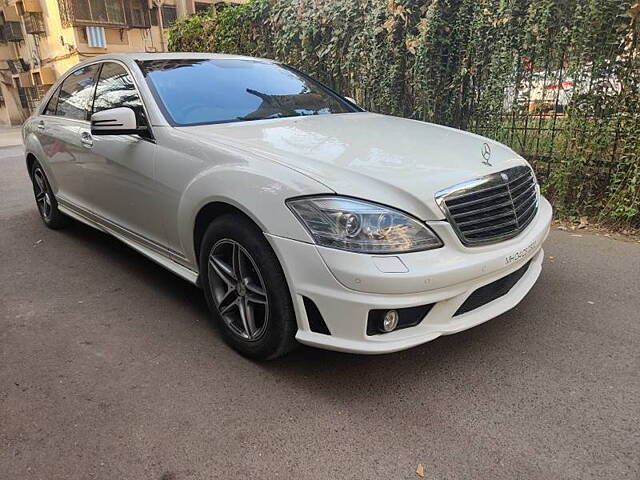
41	39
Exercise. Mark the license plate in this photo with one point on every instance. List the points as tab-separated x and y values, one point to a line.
522	254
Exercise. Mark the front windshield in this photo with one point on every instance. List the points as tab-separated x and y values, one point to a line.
200	91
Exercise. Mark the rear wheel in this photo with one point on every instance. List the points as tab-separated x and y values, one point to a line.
246	289
45	200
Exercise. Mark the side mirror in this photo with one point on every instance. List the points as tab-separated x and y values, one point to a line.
115	121
351	100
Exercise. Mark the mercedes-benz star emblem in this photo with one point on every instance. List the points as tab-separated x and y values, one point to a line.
486	154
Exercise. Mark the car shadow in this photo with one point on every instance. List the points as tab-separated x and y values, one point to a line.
139	266
322	371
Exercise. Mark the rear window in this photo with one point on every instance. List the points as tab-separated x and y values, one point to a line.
201	91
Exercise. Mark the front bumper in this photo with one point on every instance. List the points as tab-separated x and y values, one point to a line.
346	286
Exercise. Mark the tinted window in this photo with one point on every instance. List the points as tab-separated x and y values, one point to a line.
76	93
116	89
51	106
228	90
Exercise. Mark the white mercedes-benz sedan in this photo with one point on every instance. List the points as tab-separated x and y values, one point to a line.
302	217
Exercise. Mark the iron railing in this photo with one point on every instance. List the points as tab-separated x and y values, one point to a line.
107	13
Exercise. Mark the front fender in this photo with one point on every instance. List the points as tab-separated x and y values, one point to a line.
258	188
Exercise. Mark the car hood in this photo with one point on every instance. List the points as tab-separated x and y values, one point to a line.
390	160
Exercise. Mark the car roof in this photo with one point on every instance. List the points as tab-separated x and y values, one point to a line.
135	56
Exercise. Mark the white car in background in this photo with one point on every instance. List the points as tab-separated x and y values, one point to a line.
300	215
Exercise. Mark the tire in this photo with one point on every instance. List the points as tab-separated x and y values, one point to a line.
45	199
234	248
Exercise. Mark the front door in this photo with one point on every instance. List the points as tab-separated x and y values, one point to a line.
119	169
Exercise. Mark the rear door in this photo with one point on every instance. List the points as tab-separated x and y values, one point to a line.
59	132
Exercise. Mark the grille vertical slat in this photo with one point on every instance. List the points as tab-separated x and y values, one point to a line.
491	208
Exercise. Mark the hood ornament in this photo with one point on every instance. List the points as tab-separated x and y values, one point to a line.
486	154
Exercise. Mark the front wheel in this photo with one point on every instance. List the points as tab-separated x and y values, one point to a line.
246	289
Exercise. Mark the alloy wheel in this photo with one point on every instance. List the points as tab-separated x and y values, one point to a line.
238	290
43	197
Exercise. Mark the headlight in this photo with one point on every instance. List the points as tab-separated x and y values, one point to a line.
360	226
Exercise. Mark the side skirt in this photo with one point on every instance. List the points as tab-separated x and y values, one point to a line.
159	254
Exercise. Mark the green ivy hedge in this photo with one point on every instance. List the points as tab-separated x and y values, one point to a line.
476	65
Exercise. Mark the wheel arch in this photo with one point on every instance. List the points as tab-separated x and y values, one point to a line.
207	214
30	160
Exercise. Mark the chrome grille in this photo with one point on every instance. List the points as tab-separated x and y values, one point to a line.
491	208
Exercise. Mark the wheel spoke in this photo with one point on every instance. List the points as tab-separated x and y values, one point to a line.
229	301
40	181
246	315
256	294
223	271
238	290
251	321
237	262
47	206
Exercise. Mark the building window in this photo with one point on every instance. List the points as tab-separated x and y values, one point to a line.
137	13
202	7
169	15
22	93
153	13
12	32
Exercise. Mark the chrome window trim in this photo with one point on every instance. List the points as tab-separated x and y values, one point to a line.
45	101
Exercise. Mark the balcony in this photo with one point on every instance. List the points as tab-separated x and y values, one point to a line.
12	32
34	23
105	13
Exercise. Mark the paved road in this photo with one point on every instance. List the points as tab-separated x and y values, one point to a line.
10	136
109	370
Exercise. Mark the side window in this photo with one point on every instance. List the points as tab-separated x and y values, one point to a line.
53	102
116	89
76	93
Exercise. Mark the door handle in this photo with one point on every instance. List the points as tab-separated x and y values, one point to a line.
40	126
86	139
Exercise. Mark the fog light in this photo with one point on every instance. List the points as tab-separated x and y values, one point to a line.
390	321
